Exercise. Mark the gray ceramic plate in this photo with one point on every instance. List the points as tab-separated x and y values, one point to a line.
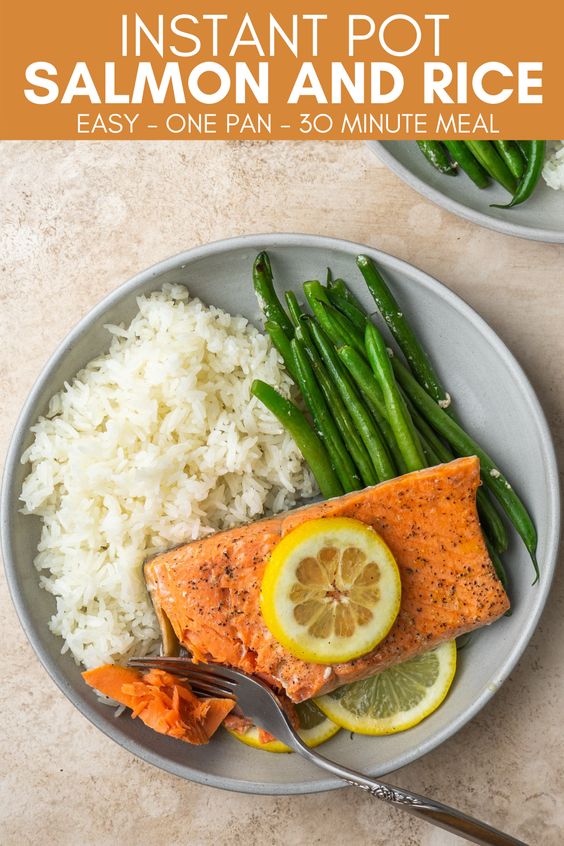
494	398
540	218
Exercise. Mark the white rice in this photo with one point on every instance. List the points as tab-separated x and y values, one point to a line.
553	171
156	443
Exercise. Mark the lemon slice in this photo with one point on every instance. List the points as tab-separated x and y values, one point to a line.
315	728
331	590
397	698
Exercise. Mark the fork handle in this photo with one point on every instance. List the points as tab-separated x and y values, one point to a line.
433	812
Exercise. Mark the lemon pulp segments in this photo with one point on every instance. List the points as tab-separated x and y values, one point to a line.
331	590
315	728
397	698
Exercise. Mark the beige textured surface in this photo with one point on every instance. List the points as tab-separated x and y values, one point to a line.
81	218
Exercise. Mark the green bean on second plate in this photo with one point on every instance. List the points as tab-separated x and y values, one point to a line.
535	161
492	162
436	154
512	156
468	163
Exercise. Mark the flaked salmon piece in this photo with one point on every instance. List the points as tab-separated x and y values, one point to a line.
209	589
164	702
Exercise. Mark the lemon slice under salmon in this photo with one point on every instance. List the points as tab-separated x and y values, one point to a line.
315	728
331	590
397	698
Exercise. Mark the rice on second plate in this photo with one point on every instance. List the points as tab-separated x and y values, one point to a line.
156	443
553	171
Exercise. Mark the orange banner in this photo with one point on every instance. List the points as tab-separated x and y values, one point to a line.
353	70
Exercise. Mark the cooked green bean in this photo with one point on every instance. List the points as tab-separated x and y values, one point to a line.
349	430
467	161
304	335
465	445
340	286
294	307
362	418
314	292
332	397
366	381
525	147
344	421
307	441
266	295
356	316
397	413
282	344
440	449
430	455
367	384
498	566
492	162
324	422
333	323
512	156
337	285
339	323
494	527
402	331
435	153
535	161
316	296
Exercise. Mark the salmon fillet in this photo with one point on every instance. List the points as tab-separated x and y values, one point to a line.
209	589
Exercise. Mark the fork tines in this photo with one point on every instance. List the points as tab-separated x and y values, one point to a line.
202	680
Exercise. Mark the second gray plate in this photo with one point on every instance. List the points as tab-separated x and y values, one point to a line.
541	218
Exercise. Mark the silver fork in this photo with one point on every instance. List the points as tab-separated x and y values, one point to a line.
258	703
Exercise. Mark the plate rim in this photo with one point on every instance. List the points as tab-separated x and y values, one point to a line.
259	242
516	230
